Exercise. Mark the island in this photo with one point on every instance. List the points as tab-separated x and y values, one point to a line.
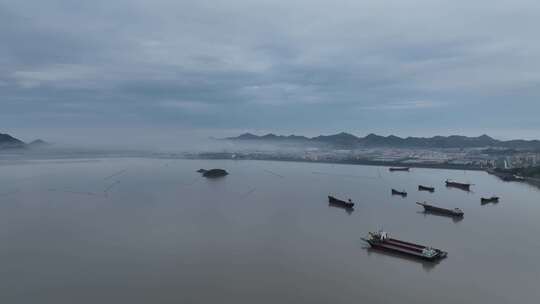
213	173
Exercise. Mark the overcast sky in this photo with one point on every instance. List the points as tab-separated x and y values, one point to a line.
106	68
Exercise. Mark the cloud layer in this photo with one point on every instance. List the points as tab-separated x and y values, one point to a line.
405	67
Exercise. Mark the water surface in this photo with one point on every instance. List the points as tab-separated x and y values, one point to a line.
141	230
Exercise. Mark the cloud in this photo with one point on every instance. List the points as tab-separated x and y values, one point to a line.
405	105
59	74
281	94
271	64
190	106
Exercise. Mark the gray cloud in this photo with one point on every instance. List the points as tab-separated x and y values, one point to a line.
307	65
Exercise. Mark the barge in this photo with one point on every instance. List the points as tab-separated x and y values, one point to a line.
426	188
381	240
341	203
439	210
397	192
493	199
462	186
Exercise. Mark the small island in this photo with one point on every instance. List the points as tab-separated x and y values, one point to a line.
213	173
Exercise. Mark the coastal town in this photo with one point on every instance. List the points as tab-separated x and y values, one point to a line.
471	158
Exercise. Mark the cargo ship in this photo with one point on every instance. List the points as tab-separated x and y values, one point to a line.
397	192
337	202
451	212
462	186
426	188
399	169
381	240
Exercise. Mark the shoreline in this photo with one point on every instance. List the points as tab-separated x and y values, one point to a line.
348	162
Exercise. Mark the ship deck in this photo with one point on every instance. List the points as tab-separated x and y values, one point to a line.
405	248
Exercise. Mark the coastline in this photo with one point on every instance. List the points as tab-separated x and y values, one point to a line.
229	156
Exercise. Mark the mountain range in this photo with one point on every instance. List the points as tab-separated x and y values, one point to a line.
346	140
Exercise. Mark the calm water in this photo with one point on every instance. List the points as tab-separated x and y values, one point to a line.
153	231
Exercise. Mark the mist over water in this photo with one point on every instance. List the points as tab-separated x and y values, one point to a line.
140	230
122	142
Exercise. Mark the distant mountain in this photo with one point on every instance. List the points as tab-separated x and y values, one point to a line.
346	140
246	136
38	143
341	139
270	137
9	142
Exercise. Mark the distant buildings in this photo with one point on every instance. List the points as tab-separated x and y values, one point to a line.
472	158
522	160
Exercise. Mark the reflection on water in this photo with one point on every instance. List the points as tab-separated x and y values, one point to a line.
349	210
426	265
459	188
131	230
455	219
489	202
399	194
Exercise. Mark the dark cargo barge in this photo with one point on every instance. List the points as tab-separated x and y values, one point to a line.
397	192
434	209
426	188
381	240
493	199
340	203
462	186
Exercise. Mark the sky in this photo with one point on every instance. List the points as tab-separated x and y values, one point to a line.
118	70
